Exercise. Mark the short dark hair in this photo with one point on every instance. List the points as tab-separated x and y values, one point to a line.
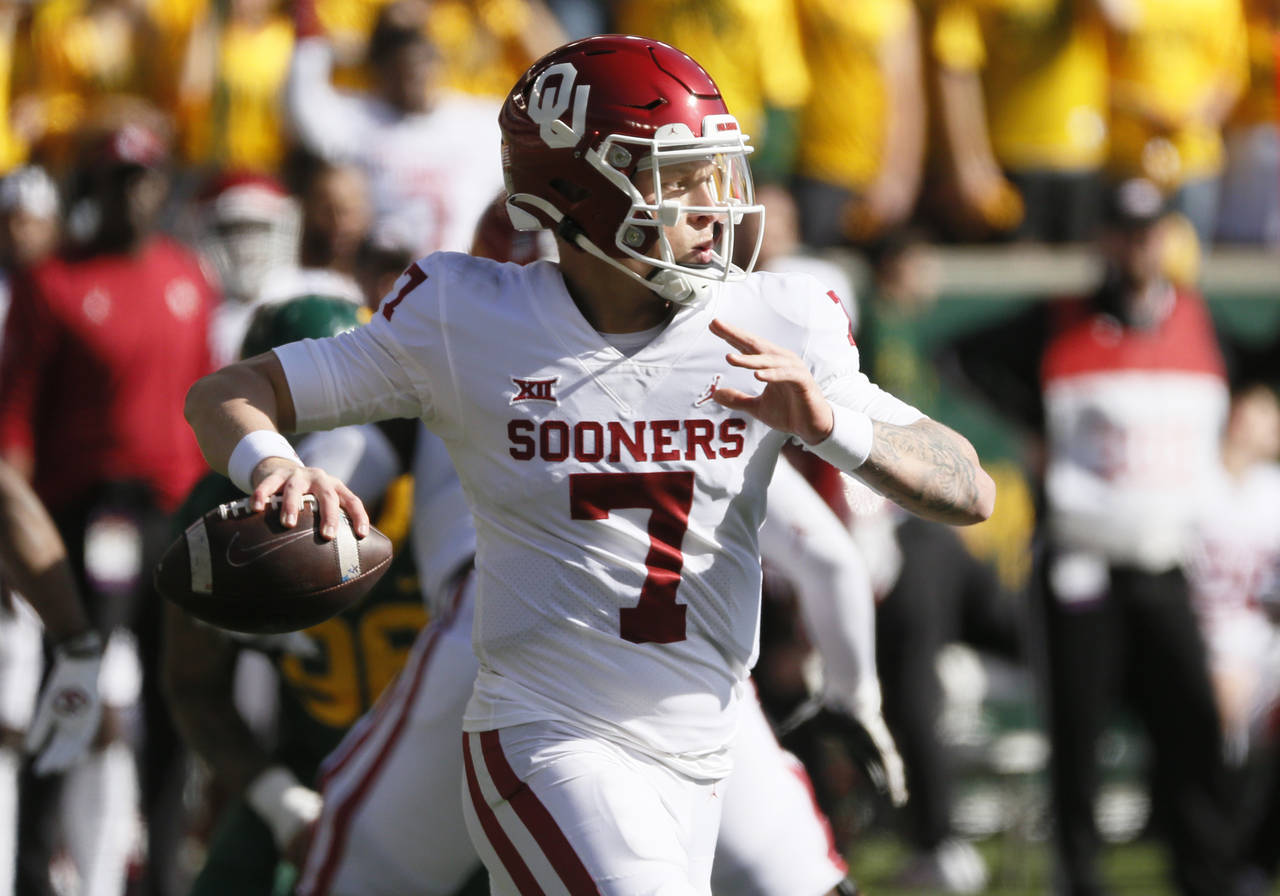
394	30
1134	203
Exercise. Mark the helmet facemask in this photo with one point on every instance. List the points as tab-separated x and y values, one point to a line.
679	170
669	161
247	233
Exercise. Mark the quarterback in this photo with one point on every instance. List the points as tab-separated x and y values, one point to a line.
614	419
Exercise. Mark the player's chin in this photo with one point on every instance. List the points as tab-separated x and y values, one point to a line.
700	260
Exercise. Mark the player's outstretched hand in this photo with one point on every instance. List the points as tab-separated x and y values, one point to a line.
791	400
291	480
867	741
70	708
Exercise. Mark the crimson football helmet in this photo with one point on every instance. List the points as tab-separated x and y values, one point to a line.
586	118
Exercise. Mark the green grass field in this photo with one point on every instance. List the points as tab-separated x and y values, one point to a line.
1017	868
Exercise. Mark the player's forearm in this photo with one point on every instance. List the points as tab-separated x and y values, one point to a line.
224	406
197	680
220	737
34	559
931	471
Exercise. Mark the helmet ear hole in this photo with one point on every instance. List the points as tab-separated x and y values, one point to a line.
569	190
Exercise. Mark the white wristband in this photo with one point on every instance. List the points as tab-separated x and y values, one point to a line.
849	444
251	450
283	803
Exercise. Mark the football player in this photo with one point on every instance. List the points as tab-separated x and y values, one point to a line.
614	420
61	724
372	836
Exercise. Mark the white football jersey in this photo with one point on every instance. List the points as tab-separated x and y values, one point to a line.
1132	420
1234	554
442	537
617	506
430	175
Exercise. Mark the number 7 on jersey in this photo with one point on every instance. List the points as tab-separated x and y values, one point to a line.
657	618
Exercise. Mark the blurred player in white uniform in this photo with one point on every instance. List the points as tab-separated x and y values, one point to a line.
1233	564
606	421
58	722
430	154
247	226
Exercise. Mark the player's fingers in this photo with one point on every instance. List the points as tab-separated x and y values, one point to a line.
742	340
56	757
325	489
783	373
266	488
756	361
735	400
355	510
293	494
39	730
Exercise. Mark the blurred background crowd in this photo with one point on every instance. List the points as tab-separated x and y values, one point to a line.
169	166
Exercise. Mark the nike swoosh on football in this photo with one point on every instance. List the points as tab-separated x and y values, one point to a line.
246	555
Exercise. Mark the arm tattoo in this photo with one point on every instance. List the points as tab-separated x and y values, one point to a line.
926	468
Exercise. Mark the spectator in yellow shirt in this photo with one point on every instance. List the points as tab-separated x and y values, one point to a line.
752	49
93	59
483	46
858	167
234	71
1023	96
486	45
1177	68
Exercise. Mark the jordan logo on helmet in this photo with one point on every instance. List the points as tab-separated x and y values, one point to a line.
548	102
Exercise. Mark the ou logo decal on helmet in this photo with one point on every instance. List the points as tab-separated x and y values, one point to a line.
548	103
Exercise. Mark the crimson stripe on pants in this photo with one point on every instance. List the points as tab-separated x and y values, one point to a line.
354	742
537	820
833	852
344	811
508	855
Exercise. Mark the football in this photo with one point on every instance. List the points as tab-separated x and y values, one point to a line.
245	572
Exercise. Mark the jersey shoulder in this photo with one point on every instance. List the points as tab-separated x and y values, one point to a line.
453	290
795	309
465	280
795	296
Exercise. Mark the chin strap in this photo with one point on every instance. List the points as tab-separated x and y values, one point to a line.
676	287
673	286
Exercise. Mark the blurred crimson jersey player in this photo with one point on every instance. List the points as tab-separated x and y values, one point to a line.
101	344
614	419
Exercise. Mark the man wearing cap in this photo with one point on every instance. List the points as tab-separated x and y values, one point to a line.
102	342
1127	389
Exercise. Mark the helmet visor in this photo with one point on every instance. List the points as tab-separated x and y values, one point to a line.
676	182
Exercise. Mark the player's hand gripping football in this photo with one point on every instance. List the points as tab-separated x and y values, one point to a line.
291	480
791	400
70	708
867	739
